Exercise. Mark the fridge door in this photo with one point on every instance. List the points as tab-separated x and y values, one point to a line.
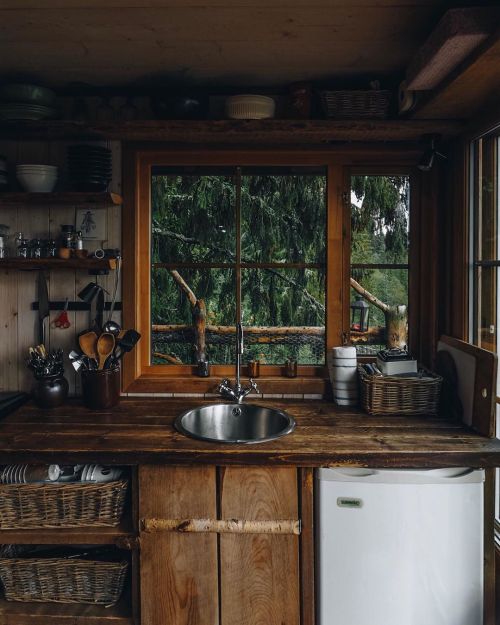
400	547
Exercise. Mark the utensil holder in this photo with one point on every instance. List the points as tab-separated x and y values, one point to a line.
101	388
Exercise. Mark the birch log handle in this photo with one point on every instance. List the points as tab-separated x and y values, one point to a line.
225	526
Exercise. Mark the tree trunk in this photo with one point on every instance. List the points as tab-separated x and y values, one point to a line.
199	324
396	323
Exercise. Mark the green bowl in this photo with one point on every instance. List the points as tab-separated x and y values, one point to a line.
29	94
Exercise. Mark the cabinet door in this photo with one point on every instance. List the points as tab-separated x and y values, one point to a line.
179	580
259	572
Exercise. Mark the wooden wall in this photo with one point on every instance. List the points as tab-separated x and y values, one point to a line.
18	322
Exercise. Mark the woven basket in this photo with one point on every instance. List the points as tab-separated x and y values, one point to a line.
399	395
356	104
24	506
62	581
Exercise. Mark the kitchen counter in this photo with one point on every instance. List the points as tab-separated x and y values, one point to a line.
140	430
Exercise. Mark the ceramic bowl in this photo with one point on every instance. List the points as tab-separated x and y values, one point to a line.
37	182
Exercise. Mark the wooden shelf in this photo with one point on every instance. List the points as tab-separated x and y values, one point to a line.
84	264
119	536
20	613
74	198
255	132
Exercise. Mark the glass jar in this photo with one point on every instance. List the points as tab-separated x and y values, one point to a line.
35	248
22	248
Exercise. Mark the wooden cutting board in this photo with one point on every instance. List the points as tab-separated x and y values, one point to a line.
474	376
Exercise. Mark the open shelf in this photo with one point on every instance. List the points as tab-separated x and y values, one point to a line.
21	613
74	198
70	536
30	264
229	131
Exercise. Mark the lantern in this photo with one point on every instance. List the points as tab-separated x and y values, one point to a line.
360	313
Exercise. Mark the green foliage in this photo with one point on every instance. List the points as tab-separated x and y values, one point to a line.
282	220
380	234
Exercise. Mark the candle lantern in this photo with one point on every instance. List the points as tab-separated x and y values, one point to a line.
360	314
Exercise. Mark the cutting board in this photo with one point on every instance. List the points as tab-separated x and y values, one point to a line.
474	376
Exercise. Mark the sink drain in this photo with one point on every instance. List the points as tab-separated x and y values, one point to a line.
236	412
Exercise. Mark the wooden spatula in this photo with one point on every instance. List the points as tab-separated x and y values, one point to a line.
88	344
105	347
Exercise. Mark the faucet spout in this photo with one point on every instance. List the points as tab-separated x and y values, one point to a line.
237	393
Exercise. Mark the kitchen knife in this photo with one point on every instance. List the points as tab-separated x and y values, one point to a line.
43	306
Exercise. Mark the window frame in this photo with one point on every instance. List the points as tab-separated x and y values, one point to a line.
139	376
475	168
411	265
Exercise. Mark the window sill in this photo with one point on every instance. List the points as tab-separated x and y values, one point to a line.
193	384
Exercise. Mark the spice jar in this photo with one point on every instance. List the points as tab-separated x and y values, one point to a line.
291	368
253	368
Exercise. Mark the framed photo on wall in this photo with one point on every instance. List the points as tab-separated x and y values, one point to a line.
92	222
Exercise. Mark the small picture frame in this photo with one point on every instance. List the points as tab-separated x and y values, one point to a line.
92	222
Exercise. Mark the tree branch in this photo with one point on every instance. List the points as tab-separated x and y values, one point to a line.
369	297
228	253
184	287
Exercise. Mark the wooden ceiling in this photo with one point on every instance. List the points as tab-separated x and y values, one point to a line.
224	42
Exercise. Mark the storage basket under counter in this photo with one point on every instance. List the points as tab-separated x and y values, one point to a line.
62	580
392	394
62	505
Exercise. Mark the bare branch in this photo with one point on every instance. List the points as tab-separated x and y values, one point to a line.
369	297
183	285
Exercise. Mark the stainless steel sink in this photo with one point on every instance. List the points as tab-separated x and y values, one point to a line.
235	423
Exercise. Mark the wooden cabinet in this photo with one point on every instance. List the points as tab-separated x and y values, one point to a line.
220	576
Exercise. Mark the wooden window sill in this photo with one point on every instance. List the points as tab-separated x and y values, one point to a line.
266	385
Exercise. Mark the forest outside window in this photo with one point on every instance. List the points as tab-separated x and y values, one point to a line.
380	239
230	243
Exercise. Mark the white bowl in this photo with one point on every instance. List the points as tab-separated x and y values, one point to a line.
343	374
344	386
37	182
343	362
250	107
345	351
38	168
346	402
345	394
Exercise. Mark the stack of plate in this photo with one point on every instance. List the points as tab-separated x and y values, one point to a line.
37	178
19	101
89	167
4	176
99	473
342	365
29	474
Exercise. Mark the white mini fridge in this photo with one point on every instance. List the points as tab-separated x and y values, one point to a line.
399	547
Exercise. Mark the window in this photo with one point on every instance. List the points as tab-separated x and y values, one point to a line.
380	220
485	253
215	236
238	243
212	237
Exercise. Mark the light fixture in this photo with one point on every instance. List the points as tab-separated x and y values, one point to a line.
429	156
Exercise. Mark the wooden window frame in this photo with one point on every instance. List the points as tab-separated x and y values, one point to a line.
139	376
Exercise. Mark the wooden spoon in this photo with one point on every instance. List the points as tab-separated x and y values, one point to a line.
105	347
88	344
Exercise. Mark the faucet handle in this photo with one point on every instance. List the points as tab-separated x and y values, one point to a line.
253	385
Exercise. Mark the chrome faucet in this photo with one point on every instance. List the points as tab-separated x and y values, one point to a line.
237	393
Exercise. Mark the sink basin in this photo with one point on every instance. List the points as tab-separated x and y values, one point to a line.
234	423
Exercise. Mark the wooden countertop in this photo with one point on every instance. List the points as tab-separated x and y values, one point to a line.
140	430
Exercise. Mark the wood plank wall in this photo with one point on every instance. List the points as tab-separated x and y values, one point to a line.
18	322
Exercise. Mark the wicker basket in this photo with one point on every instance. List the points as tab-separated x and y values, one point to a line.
62	581
24	506
399	395
371	104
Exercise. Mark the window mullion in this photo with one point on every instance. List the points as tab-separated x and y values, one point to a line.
238	242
